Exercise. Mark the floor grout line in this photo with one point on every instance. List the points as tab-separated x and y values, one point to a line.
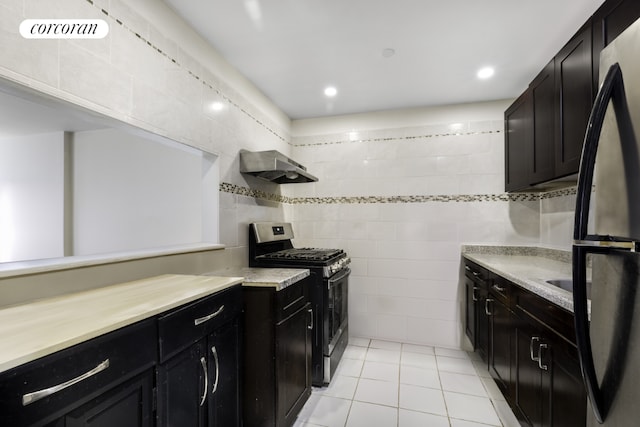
363	357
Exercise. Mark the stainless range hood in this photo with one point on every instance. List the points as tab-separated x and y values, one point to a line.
273	166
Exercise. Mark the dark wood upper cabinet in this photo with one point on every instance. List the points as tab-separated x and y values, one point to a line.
609	21
518	122
575	91
542	166
530	133
545	126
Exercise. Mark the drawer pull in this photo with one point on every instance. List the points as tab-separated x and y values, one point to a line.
203	362
499	288
474	296
215	357
37	395
201	320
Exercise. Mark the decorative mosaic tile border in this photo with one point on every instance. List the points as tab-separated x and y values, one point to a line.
387	134
464	198
461	198
570	191
193	74
227	187
345	139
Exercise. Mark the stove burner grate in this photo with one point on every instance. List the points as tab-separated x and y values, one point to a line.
305	254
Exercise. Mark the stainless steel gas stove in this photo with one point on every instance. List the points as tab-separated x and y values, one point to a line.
270	245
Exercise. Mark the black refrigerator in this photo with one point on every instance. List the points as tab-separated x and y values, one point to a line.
607	240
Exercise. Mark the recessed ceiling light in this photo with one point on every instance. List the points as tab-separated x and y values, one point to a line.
330	91
485	73
217	106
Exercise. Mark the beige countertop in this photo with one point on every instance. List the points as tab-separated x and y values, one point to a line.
279	278
33	330
528	267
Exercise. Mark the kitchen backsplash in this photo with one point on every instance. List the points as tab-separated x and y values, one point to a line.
400	191
403	199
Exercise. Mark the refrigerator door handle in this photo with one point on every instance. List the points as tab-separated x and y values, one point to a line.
612	88
581	319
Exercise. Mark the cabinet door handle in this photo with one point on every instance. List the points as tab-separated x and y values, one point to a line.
473	293
203	362
201	320
486	306
310	326
540	365
215	358
37	395
531	355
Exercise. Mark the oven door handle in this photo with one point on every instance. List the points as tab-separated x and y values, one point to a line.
341	276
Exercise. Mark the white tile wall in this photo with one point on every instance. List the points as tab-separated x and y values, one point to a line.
405	255
556	221
145	73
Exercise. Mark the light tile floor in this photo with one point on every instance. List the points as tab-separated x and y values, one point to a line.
389	384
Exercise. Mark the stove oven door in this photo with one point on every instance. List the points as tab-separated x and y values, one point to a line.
336	314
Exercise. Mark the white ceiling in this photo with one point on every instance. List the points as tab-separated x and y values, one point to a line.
292	49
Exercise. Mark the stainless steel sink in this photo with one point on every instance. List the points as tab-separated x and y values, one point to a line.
567	285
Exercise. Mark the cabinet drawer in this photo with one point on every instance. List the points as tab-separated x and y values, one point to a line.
42	390
291	299
501	290
546	312
476	273
187	324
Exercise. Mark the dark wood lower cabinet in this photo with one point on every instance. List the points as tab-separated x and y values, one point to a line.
477	320
471	308
181	368
106	381
200	385
549	391
528	386
293	365
198	378
129	405
568	397
181	387
500	331
277	354
224	408
528	345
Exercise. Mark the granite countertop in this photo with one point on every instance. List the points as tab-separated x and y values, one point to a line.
40	328
528	267
279	278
